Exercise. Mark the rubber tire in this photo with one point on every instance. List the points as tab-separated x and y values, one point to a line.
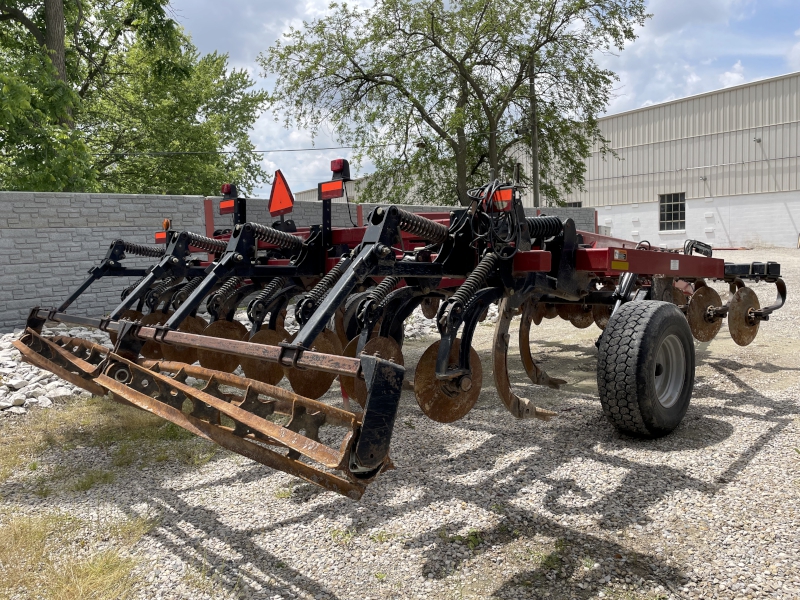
626	367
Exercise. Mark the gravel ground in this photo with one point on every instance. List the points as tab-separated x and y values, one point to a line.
494	507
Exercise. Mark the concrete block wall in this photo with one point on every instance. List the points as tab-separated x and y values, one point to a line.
48	241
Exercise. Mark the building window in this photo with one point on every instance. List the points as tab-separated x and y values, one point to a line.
673	212
575	204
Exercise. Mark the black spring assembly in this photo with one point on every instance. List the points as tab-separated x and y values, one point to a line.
220	298
272	236
182	294
544	227
368	310
308	304
127	291
206	243
140	249
454	308
256	311
153	296
426	229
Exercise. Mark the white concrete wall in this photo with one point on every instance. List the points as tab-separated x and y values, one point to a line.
728	221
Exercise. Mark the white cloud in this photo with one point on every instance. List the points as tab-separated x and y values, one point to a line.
733	77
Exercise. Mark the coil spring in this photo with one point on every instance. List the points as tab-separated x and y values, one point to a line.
127	291
263	296
182	294
544	227
154	294
379	292
422	227
275	237
476	279
141	249
326	283
226	290
206	243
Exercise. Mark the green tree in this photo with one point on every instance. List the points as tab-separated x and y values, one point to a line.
437	93
93	88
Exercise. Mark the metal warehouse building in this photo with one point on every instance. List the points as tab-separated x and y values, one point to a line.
720	167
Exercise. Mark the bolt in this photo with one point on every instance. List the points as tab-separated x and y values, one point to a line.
239	258
465	384
379	211
174	260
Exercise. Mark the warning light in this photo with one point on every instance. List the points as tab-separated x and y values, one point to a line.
226	207
331	189
502	199
341	169
161	237
226	189
281	200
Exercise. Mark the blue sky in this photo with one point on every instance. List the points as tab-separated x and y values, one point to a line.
688	47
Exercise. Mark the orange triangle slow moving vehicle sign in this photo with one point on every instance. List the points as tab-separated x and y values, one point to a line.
281	199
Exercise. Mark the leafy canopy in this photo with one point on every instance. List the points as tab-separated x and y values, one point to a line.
135	91
436	93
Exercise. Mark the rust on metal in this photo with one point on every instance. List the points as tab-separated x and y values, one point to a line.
382	347
704	326
128	315
259	370
152	349
442	400
519	407
226	330
741	321
535	373
314	383
582	317
182	353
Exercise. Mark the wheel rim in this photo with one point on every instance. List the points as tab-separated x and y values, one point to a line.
669	370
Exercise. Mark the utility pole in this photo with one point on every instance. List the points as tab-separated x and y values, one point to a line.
534	131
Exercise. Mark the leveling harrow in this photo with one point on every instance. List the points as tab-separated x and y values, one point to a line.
352	289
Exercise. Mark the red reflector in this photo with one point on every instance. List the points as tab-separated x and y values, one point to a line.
331	189
226	207
501	200
226	188
337	165
161	237
281	200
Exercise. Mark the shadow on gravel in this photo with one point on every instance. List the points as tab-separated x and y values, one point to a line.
515	490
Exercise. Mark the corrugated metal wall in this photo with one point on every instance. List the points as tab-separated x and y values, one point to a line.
703	146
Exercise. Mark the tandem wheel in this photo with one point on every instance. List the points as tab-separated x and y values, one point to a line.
645	368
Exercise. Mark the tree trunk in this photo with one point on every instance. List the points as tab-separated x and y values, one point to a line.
534	131
54	35
461	153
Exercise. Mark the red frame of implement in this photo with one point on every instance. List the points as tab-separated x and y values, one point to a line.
614	261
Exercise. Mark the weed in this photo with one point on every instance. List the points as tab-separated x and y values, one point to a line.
280	565
409	424
343	536
283	493
33	466
380	576
91	478
472	539
381	536
588	562
498	508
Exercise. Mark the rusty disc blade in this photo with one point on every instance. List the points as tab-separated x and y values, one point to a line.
154	350
348	383
261	370
338	347
703	330
128	315
441	400
601	314
430	306
550	311
739	310
565	311
182	353
537	313
338	325
382	347
307	382
678	297
227	330
582	318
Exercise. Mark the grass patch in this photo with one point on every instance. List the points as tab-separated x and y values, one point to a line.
132	436
41	557
283	493
381	536
89	479
342	536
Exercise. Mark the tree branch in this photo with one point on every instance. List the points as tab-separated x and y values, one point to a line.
12	13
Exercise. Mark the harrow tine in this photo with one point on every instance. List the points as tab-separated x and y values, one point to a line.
535	373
